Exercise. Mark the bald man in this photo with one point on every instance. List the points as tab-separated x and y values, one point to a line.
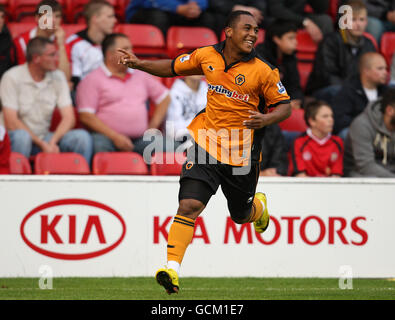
369	85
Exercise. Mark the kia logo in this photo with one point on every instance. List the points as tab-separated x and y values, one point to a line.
73	229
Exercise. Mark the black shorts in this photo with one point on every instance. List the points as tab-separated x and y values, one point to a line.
200	181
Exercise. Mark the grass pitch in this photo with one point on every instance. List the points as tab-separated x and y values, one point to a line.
197	289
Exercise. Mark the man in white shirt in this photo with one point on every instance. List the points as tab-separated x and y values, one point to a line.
30	93
362	89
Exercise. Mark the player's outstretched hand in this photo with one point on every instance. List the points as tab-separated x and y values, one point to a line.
256	120
128	59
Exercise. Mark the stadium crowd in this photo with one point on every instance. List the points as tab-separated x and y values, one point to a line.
338	69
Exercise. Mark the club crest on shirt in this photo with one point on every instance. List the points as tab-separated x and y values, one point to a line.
281	88
240	79
306	156
334	156
185	58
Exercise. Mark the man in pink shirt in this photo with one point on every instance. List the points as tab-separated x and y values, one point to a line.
112	102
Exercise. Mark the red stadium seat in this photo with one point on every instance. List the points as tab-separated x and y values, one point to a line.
56	118
261	36
387	46
19	164
17	28
119	163
306	47
295	122
60	163
147	40
167	163
184	39
304	69
333	9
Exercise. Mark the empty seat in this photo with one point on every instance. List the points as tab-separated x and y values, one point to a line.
147	40
167	163
60	163
295	122
119	163
184	39
304	69
387	46
19	164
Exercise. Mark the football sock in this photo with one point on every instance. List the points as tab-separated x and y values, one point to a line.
173	265
257	210
180	236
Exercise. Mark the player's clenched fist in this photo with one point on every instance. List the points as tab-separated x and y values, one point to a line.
128	59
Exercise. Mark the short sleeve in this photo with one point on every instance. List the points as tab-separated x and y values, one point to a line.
188	64
156	90
273	90
88	94
9	91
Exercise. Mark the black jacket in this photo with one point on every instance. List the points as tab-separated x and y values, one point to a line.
377	8
336	60
274	150
293	10
288	69
350	102
7	51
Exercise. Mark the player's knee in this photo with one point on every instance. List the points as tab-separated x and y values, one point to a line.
190	208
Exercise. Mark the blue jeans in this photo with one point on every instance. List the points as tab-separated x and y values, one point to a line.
77	140
102	143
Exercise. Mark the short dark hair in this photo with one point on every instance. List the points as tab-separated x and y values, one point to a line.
93	7
234	16
55	5
109	41
278	28
311	109
36	46
388	99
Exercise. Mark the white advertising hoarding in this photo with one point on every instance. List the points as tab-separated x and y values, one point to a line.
117	226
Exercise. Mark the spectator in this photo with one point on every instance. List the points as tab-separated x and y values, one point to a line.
5	151
85	46
7	50
317	153
317	24
381	17
369	146
54	33
30	93
188	97
222	8
392	82
274	153
355	95
338	55
111	102
165	13
279	49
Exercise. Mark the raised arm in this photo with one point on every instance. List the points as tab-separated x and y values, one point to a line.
159	68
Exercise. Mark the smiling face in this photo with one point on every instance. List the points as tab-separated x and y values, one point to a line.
243	33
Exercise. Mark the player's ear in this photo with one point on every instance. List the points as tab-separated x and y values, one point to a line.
228	32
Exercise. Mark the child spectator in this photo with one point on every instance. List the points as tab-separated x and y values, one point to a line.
5	151
279	49
188	97
317	153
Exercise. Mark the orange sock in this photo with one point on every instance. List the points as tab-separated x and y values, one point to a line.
180	236
257	210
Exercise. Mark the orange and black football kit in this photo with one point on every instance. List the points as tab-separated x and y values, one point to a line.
218	130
